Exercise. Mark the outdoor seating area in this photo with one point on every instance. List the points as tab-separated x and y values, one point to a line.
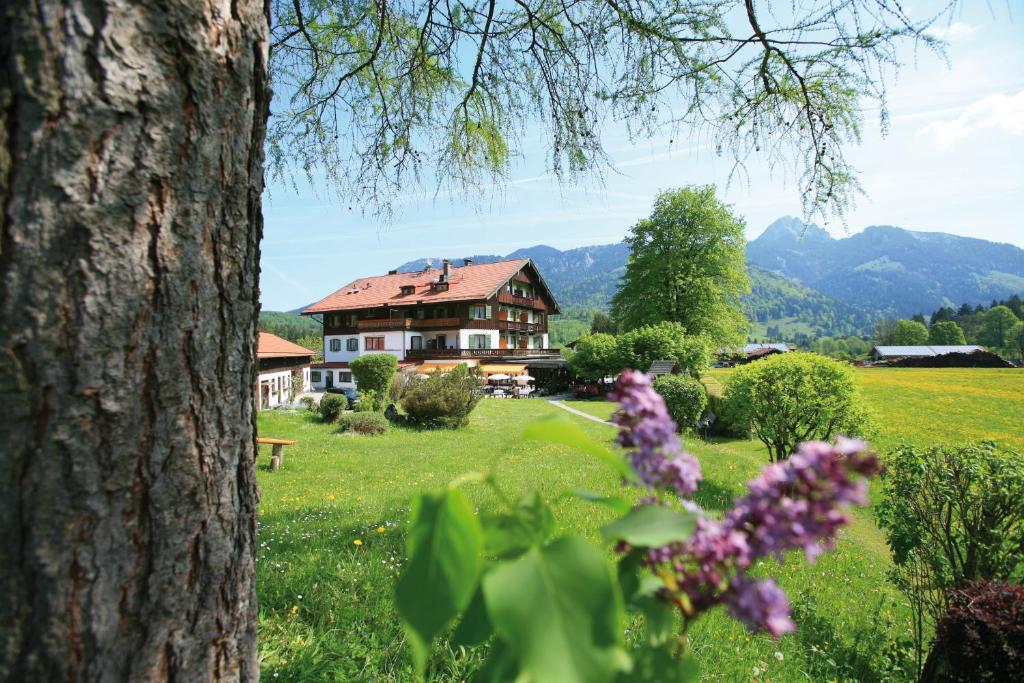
507	381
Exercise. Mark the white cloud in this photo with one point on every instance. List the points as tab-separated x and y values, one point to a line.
956	30
999	114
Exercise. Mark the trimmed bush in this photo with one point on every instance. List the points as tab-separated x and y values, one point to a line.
981	637
331	406
684	397
373	373
309	403
442	400
363	423
793	397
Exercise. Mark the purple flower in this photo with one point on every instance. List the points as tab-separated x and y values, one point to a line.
759	605
793	504
657	454
797	503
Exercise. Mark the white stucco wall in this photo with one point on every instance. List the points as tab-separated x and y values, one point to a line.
279	383
464	337
342	356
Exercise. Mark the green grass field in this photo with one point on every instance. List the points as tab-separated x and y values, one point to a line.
332	525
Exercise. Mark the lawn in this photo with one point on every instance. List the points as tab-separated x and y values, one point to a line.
925	406
332	525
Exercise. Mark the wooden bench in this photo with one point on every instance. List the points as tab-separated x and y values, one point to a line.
277	456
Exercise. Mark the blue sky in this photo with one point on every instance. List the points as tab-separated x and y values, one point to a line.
953	161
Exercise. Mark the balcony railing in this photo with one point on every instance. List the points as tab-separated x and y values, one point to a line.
527	301
516	325
414	354
406	324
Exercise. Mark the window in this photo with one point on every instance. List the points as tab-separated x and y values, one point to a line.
350	320
420	314
416	342
440	286
478	312
408	289
352	344
335	345
374	343
440	313
344	376
314	376
479	341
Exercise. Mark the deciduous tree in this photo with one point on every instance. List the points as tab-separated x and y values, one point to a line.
686	265
909	333
946	333
996	326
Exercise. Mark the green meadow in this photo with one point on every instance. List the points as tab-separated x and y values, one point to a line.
332	527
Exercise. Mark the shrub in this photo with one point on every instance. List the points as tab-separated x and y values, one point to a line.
793	397
638	348
443	400
363	423
331	406
400	384
309	403
684	397
981	637
373	373
953	515
595	356
369	402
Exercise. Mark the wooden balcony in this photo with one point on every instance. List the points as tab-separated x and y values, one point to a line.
383	324
532	328
534	302
420	354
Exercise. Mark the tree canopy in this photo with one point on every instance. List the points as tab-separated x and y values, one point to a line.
686	265
372	94
946	333
996	326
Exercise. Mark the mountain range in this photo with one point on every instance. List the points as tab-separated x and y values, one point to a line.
804	281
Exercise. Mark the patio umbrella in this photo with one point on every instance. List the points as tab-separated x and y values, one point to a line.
523	379
498	376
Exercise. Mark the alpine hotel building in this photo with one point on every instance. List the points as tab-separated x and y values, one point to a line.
436	317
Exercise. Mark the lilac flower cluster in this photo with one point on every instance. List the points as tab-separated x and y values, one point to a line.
657	454
793	504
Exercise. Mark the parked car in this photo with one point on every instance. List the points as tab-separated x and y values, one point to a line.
351	394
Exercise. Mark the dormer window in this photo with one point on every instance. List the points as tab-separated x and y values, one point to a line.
408	289
440	286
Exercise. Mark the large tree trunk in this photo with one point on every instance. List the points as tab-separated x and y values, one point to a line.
131	138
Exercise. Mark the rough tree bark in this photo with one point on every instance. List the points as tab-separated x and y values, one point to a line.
131	169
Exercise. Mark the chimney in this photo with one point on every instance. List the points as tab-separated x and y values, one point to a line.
392	272
447	270
467	261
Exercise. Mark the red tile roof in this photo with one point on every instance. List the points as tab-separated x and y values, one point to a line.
272	346
466	283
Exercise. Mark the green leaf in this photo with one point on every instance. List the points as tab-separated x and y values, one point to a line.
510	535
656	665
474	628
651	526
658	615
614	502
445	545
562	430
559	613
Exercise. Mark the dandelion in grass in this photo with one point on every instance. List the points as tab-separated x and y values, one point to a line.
357	542
381	530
